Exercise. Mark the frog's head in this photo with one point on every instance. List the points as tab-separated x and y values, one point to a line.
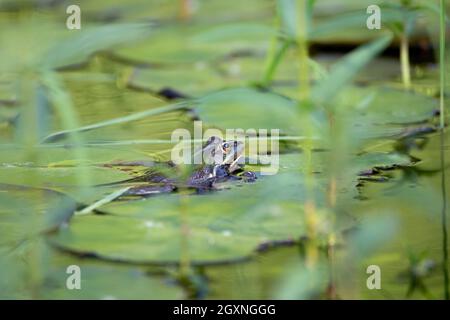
232	151
220	152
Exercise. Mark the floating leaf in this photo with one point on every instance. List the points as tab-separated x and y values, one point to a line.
97	283
240	31
190	81
150	231
25	212
86	42
221	228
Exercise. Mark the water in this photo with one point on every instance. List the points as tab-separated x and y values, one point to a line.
416	203
33	265
411	196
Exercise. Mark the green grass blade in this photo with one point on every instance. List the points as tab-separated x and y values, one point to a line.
135	116
346	69
110	197
62	102
442	80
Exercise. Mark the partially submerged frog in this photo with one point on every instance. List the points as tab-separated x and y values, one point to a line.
222	163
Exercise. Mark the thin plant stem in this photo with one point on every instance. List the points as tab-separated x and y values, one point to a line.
331	200
185	9
331	241
69	118
271	53
28	137
404	59
305	109
275	61
442	153
185	261
442	64
277	50
302	29
444	221
331	252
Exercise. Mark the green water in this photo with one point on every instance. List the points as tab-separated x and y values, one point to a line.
411	198
133	249
416	204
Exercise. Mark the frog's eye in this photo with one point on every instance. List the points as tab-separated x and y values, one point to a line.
225	146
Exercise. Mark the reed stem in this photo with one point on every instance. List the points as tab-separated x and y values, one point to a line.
185	9
404	58
442	153
302	31
305	109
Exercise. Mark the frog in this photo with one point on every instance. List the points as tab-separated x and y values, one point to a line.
222	162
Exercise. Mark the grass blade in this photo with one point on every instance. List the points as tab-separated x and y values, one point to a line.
135	116
442	153
110	197
346	69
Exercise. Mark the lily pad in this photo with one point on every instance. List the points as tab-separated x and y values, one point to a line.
97	283
25	212
189	81
57	176
151	231
168	45
221	229
187	44
390	106
380	111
